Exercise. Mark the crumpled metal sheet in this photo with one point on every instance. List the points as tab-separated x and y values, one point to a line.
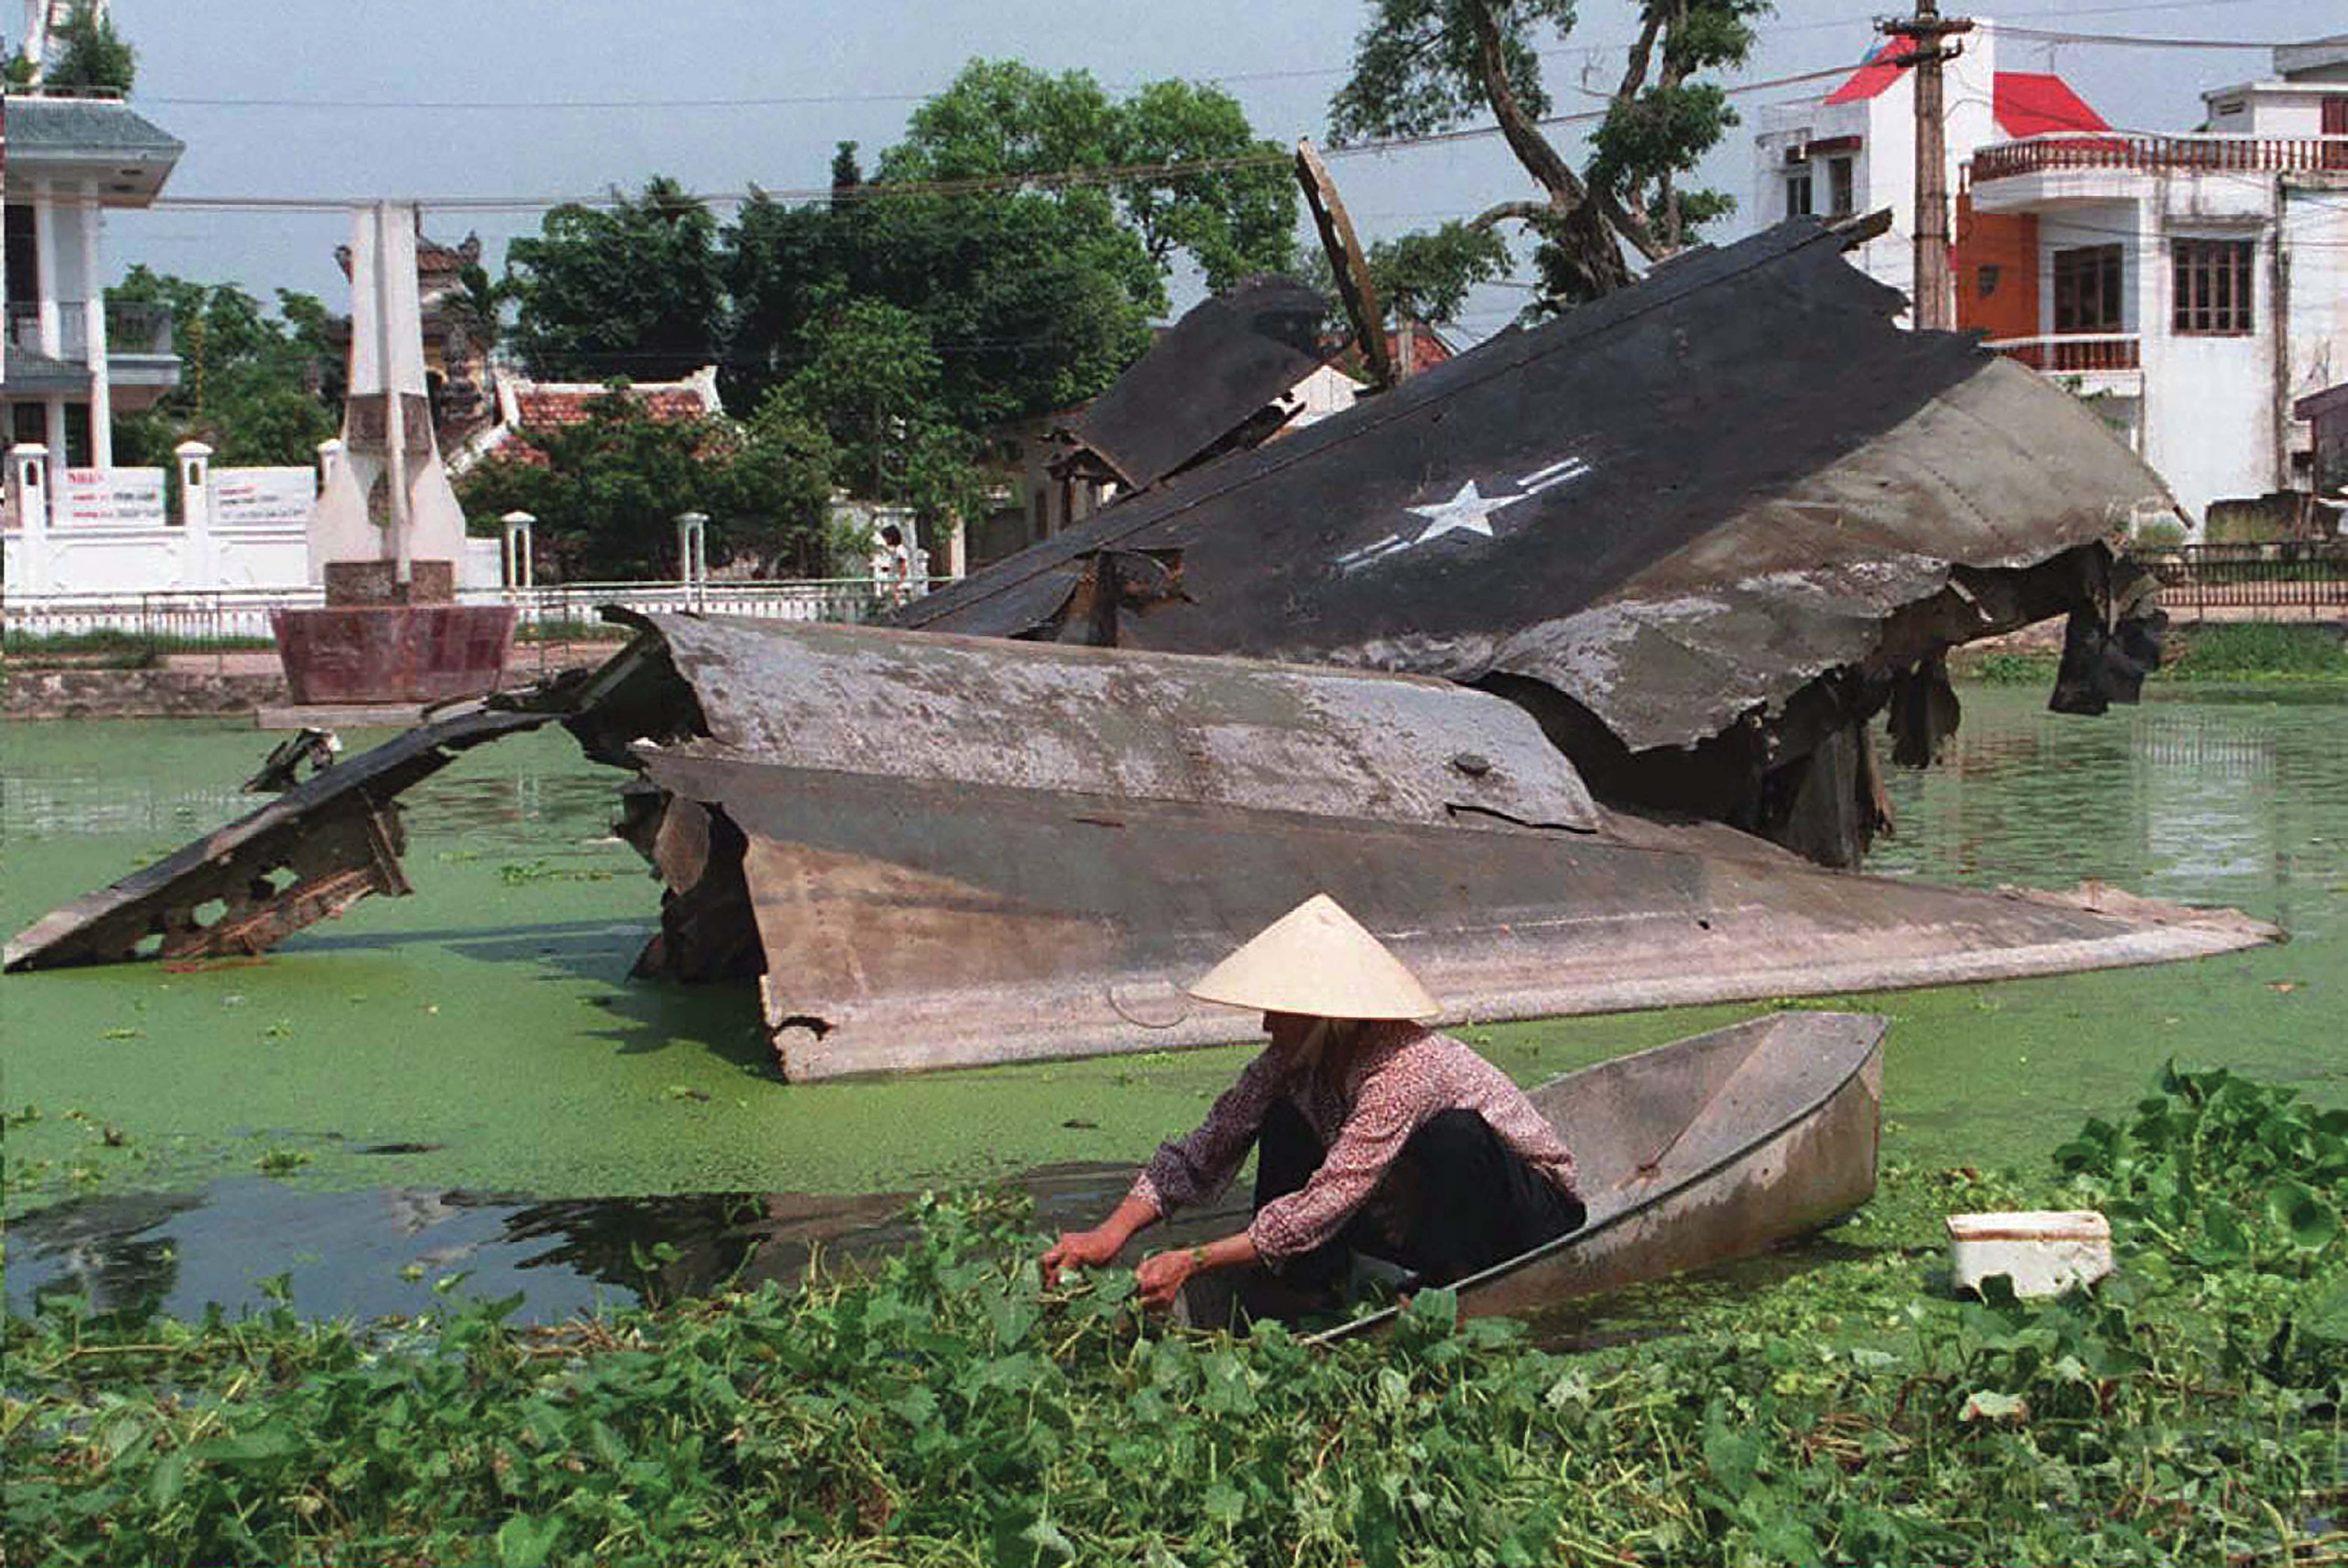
1686	500
923	902
1228	358
307	855
1091	722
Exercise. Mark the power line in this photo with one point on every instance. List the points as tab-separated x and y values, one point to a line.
804	100
2128	40
1041	180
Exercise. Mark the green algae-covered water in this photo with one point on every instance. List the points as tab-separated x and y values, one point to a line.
467	1077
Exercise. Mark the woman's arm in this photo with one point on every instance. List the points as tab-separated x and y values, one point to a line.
1099	1245
1196	1169
1189	1171
1162	1274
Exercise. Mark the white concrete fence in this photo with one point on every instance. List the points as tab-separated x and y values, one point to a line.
198	617
107	530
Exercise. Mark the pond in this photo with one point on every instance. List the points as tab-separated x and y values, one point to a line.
467	1080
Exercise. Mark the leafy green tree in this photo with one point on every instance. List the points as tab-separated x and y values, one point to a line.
1427	65
257	389
1028	304
909	311
90	54
632	290
1035	295
606	492
872	386
1002	119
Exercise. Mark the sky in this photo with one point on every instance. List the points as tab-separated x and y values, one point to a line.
535	100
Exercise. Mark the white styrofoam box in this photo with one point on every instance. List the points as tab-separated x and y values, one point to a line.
2043	1253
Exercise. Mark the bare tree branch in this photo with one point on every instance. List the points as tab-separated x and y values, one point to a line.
1634	74
1633	227
1523	136
1523	211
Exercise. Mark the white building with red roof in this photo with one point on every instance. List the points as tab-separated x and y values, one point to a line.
526	409
2194	285
1854	149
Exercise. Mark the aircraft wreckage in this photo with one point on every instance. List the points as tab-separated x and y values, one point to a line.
1703	530
1686	539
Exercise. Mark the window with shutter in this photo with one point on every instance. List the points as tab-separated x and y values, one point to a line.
2214	296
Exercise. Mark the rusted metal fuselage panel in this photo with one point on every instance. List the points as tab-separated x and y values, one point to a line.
959	851
306	856
910	926
1103	724
1677	504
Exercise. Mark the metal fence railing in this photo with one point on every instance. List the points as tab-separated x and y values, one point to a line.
2309	575
222	619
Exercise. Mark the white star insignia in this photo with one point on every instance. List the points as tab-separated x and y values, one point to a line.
1470	510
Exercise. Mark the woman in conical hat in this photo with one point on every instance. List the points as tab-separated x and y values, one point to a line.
1373	1132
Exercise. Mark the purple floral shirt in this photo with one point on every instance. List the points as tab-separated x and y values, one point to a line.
1399	1077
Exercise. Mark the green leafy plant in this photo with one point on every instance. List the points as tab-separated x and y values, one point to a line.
90	54
940	1405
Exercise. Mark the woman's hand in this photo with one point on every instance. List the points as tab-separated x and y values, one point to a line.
1098	1247
1161	1276
1091	1249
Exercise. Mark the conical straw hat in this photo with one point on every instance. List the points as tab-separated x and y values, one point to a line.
1317	960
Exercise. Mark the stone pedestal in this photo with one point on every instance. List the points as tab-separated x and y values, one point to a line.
350	582
393	653
382	641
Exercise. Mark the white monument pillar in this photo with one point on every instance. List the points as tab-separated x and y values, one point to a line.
28	475
49	324
101	378
520	568
196	512
386	420
693	556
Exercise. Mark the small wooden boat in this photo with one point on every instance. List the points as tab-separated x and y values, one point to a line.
1716	1147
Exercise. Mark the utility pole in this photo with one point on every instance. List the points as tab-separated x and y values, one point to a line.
1935	297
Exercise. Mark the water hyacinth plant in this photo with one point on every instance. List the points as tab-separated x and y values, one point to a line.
942	1407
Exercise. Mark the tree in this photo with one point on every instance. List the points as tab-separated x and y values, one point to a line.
256	389
1034	290
606	492
89	54
1000	119
872	386
1426	276
634	290
903	313
1426	66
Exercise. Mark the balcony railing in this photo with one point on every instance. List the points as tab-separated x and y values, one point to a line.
2309	574
2187	154
131	328
2071	352
137	329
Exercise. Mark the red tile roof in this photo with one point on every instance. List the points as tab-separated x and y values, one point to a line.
2031	104
549	408
541	406
2027	103
1877	74
1428	348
